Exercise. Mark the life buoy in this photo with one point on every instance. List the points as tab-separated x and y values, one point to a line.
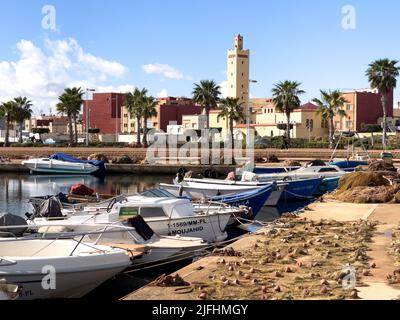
287	179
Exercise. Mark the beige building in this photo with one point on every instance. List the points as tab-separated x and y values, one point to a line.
57	124
307	123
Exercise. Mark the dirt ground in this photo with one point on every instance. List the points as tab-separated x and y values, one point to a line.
300	258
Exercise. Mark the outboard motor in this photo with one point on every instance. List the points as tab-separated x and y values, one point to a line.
9	220
51	208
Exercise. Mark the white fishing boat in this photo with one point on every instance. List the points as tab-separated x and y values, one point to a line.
132	234
44	269
209	188
308	172
166	216
46	165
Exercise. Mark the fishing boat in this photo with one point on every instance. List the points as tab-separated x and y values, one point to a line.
327	185
79	267
348	165
253	199
61	163
166	216
203	189
132	234
307	172
300	189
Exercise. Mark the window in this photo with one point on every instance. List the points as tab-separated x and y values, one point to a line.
126	212
193	125
132	124
242	74
307	123
125	115
327	170
337	124
272	133
152	212
125	125
242	87
349	107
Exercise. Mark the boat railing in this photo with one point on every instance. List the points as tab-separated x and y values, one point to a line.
7	262
104	229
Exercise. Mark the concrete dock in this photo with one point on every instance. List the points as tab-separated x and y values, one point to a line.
210	278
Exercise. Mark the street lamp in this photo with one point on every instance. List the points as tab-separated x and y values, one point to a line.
248	115
116	115
87	114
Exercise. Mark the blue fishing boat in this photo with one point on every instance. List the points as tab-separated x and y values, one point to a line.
349	165
301	190
327	185
254	199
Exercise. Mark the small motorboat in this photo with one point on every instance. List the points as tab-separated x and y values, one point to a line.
61	163
44	268
348	165
307	172
252	199
166	216
133	234
295	190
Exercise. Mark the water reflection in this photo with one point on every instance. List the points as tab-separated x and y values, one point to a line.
15	190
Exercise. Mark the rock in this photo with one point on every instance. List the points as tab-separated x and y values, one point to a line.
98	157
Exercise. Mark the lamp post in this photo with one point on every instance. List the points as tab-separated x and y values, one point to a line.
87	114
116	116
248	115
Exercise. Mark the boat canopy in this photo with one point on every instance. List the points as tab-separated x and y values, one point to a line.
68	158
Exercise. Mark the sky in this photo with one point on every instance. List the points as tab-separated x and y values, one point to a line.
168	45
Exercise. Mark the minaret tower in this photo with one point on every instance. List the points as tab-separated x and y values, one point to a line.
238	71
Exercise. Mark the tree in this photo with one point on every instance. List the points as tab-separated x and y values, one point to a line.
70	104
286	99
207	95
149	109
7	112
232	109
40	131
382	76
330	105
23	112
134	102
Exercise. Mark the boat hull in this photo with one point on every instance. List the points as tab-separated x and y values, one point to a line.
59	167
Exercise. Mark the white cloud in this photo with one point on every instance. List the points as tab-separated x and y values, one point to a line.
42	74
164	70
162	94
224	88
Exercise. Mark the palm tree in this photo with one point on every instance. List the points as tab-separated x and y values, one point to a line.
70	104
330	105
134	102
7	112
207	95
76	97
23	112
232	109
286	99
382	75
149	109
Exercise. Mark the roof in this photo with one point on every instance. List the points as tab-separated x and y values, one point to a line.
309	107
